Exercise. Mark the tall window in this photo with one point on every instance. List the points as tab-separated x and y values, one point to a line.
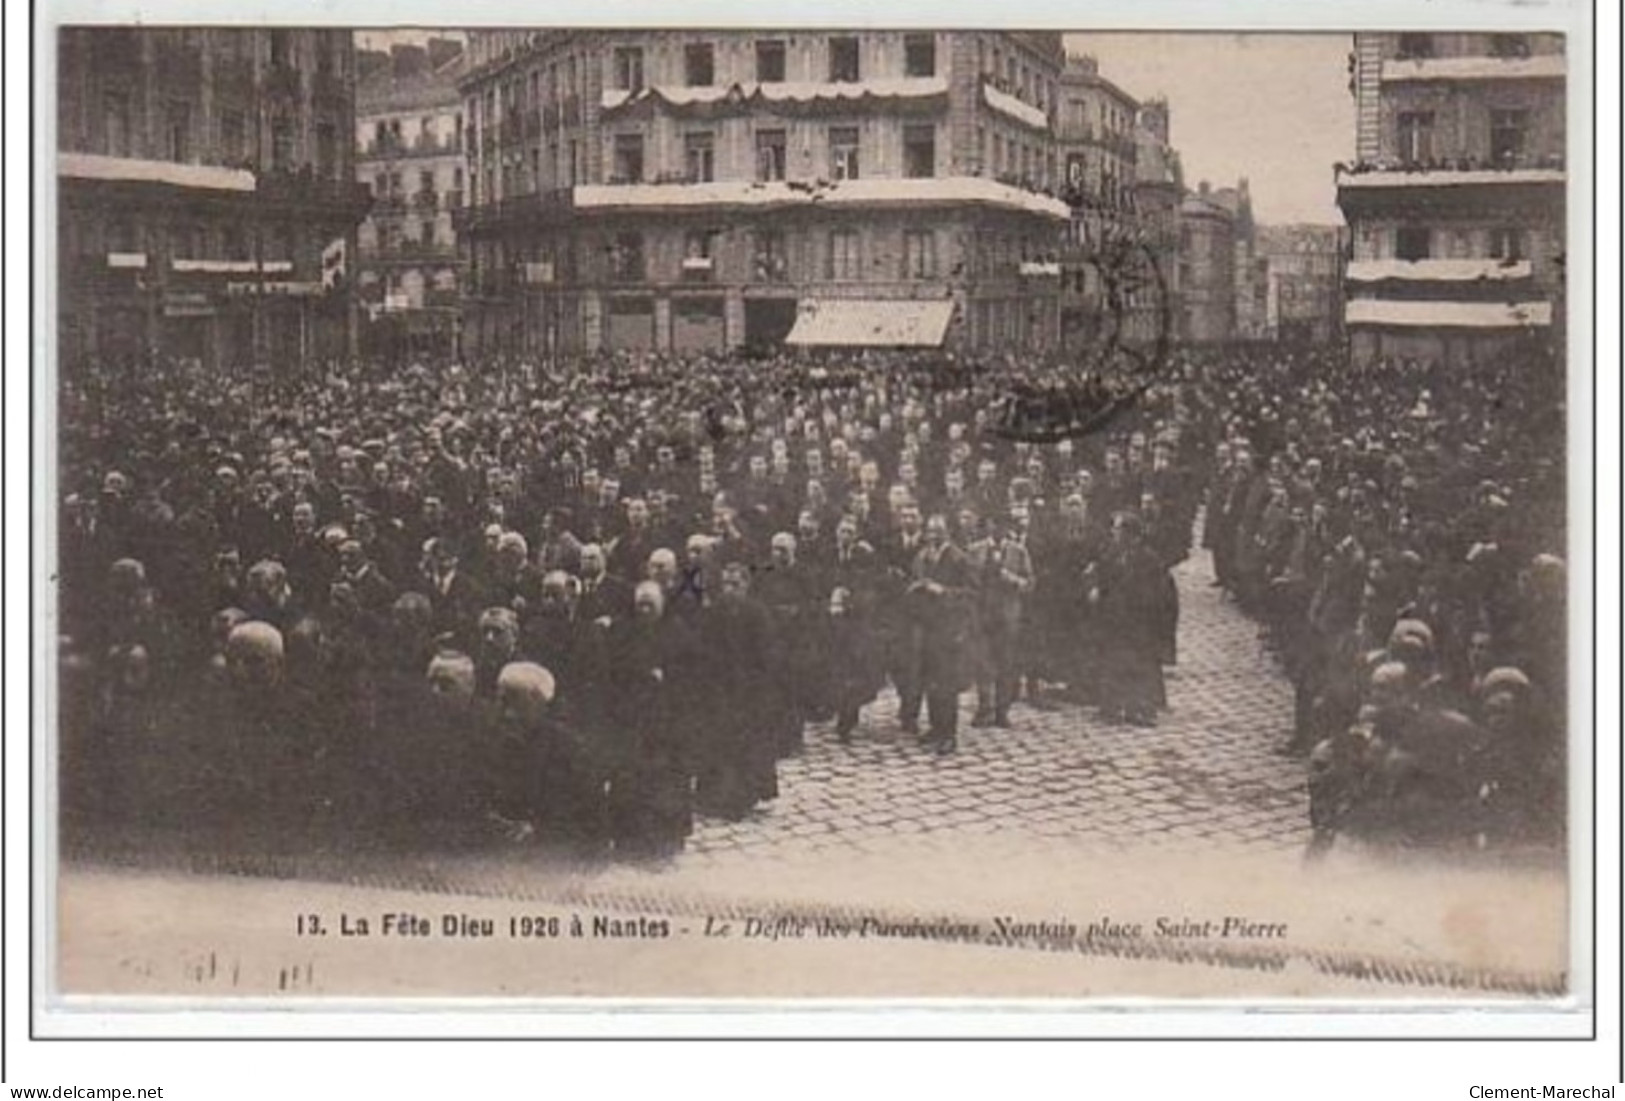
699	254
768	258
281	49
844	262
770	61
327	151
282	144
843	152
629	68
1415	136
919	254
327	63
1506	243
233	136
699	65
770	154
1413	243
626	258
919	55
1507	133
919	150
178	146
1509	45
1414	47
699	157
116	123
843	60
628	158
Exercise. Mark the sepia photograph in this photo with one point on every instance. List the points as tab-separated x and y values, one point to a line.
568	516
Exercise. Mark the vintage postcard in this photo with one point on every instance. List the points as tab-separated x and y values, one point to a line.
567	516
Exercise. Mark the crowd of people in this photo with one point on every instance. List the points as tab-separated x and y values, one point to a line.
1399	531
581	603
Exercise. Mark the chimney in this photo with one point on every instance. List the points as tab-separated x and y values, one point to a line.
1203	189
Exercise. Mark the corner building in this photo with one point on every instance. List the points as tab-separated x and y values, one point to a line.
1455	204
207	202
409	151
689	190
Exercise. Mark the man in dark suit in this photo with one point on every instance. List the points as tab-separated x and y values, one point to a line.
457	599
602	595
1004	572
936	607
896	557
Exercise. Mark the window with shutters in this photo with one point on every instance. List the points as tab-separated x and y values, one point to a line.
843	60
628	68
1415	136
626	258
919	55
771	154
843	152
919	254
1508	134
770	67
628	161
1415	47
699	157
768	259
1413	243
699	65
919	150
843	260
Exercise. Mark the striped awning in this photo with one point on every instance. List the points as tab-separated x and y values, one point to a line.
871	323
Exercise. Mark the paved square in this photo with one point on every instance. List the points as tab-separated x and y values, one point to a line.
1205	776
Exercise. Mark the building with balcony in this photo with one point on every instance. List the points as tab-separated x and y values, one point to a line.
1455	204
1303	267
206	194
709	190
1096	143
409	152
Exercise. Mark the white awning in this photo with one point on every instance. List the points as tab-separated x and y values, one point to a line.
871	323
1429	271
1448	315
210	177
913	87
1540	67
939	190
131	260
1023	112
1448	177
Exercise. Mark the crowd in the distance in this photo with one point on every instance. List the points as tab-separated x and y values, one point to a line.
1400	530
581	603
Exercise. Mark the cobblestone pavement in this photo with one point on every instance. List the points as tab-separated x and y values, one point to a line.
1206	776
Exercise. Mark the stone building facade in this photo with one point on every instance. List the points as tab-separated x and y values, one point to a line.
1096	137
1455	204
409	151
206	195
696	190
